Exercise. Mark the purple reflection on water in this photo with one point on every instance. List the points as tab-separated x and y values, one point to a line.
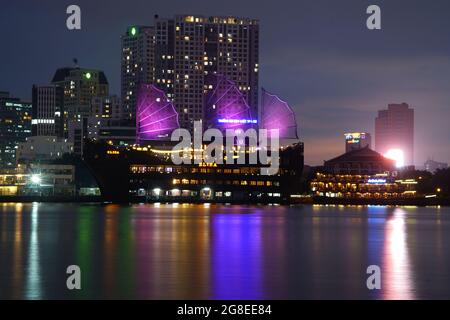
236	265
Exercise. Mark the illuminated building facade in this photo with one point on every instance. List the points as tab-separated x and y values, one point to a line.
362	186
48	111
15	127
357	140
80	87
394	133
38	180
137	66
360	161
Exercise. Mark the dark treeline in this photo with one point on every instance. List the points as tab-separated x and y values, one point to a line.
429	183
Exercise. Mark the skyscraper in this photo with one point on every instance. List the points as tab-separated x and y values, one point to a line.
137	65
47	111
80	86
186	49
15	127
394	133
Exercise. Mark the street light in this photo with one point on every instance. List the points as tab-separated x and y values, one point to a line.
36	179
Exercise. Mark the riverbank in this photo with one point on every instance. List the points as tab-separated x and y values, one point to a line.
421	202
59	199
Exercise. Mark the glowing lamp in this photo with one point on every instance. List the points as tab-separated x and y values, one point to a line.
398	156
36	179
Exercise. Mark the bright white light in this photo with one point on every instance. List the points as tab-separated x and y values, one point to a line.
398	156
36	179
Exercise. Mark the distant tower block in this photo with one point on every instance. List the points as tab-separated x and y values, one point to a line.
394	130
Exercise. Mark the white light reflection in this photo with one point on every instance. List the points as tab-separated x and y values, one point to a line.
33	279
397	280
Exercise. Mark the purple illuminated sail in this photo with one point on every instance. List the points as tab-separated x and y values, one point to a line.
277	114
156	117
225	106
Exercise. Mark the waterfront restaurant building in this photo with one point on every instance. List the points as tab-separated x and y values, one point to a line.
361	173
361	161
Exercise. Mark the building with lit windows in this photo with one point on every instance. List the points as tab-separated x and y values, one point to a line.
355	186
15	127
202	46
108	107
186	49
80	87
361	174
43	179
394	133
48	111
137	65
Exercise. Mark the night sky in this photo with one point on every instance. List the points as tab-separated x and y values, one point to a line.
316	54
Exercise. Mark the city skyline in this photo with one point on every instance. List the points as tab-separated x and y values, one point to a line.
224	156
329	90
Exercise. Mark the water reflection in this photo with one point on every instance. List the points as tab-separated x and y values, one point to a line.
397	270
17	269
236	257
33	272
223	252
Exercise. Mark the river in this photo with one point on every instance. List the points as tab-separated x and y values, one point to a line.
176	251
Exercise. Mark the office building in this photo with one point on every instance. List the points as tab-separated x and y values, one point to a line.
357	140
48	111
394	133
15	127
80	87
